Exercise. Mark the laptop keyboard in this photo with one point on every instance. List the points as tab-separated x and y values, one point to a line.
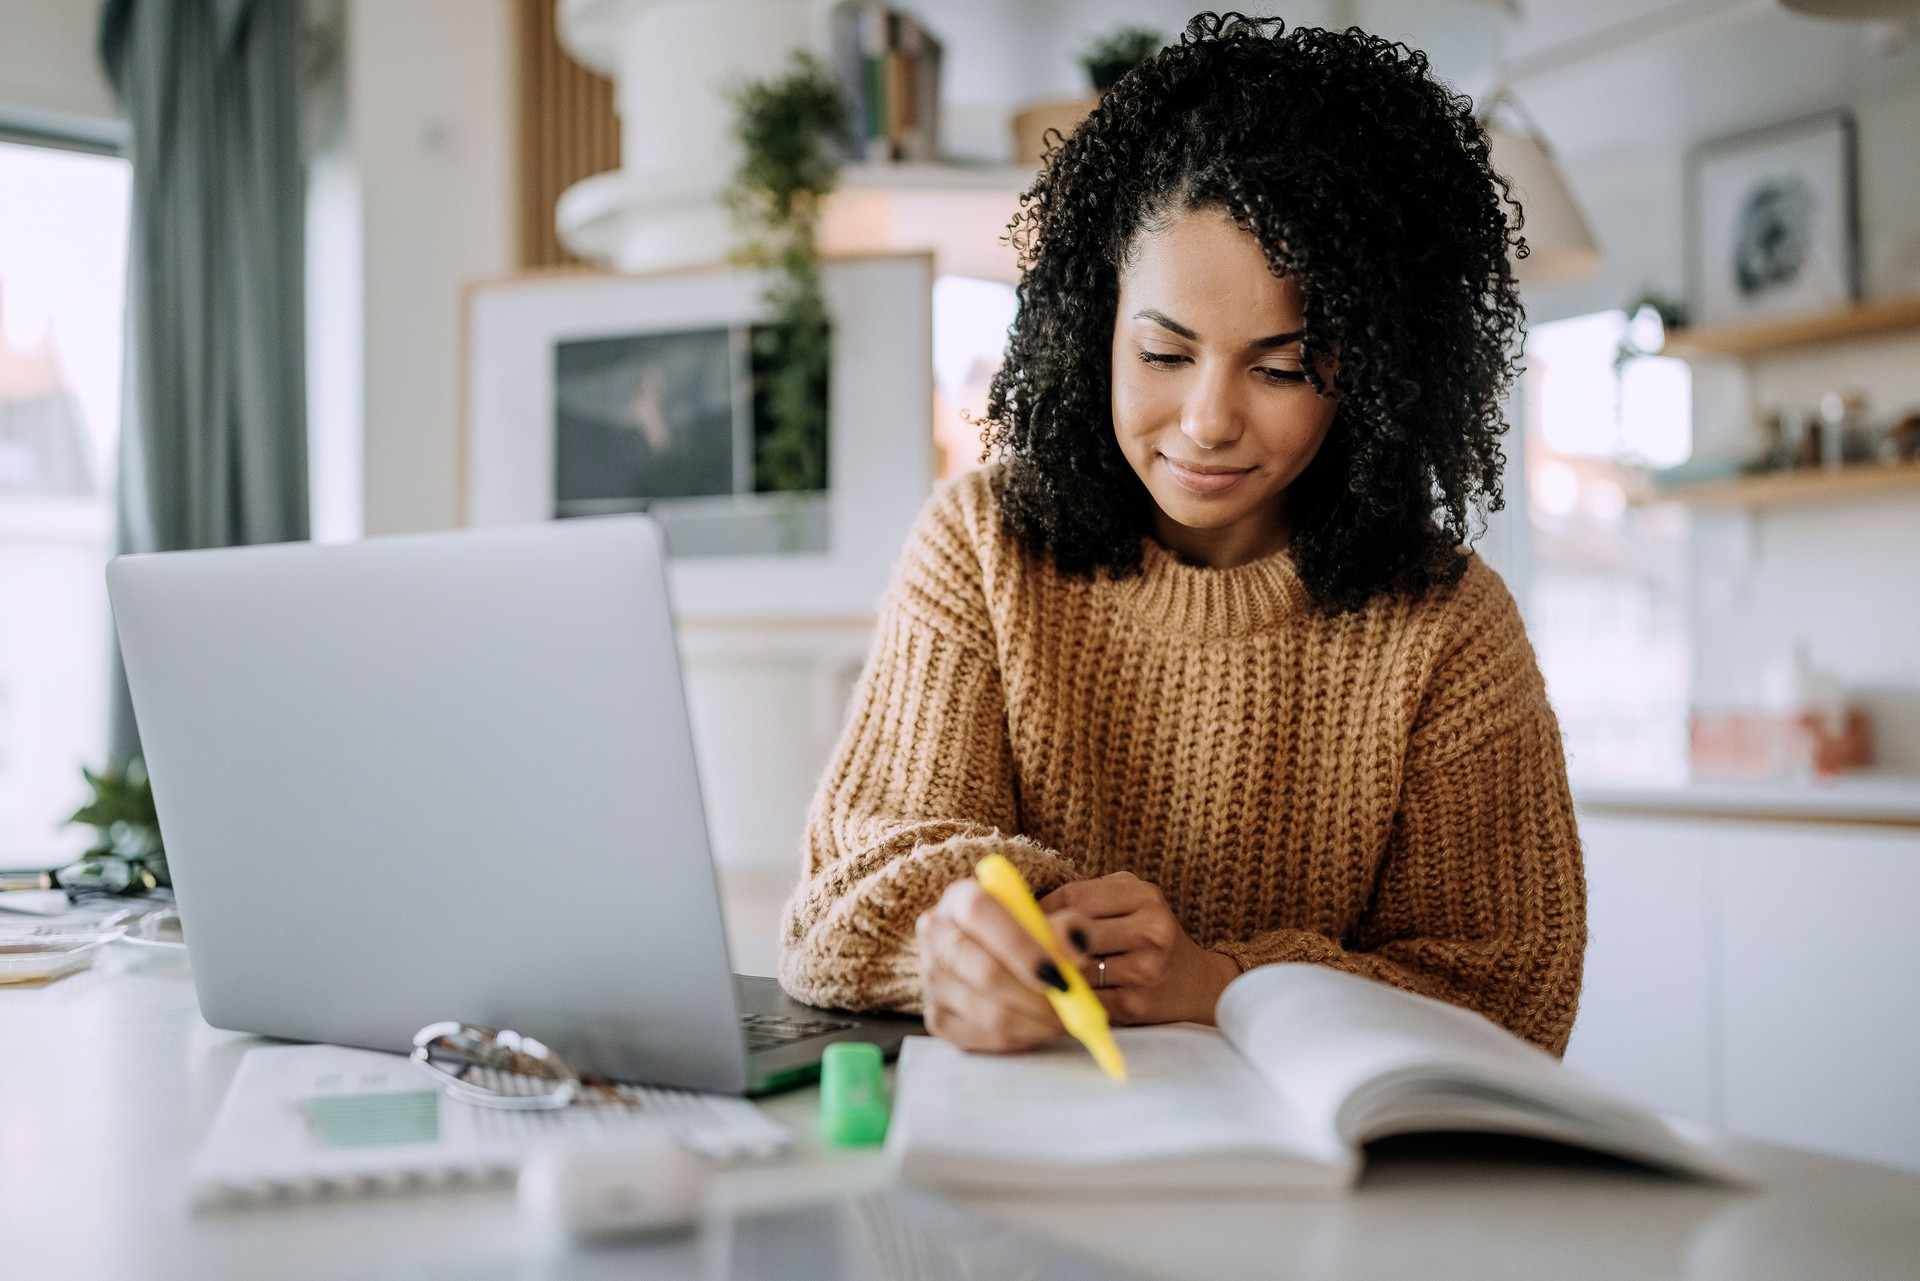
764	1031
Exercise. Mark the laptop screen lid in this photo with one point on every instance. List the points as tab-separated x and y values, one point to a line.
436	776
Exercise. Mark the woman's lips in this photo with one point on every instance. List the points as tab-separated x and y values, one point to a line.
1202	478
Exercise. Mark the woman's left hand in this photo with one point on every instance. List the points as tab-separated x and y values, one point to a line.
1154	972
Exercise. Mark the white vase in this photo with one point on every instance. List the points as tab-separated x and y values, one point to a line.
672	63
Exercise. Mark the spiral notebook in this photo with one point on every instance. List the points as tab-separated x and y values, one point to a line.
304	1122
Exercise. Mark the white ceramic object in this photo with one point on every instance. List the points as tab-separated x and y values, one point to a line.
645	1183
672	63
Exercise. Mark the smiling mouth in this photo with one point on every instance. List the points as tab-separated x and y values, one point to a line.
1205	478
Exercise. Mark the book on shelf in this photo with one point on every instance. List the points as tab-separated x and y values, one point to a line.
888	67
1307	1066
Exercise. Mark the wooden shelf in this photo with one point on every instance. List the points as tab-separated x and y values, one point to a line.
913	175
1808	485
1759	338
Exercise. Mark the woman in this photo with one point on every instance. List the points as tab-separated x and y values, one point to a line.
1204	653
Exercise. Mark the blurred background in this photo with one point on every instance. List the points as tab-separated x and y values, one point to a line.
1712	511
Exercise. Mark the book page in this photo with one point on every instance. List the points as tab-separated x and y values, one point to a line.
1362	1060
1318	1036
1186	1092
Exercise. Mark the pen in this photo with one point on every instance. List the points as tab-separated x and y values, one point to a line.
1079	1009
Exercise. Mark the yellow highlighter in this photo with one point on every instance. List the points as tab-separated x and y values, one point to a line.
1079	1009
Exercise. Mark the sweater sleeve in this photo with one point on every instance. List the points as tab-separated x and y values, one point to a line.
1480	899
919	788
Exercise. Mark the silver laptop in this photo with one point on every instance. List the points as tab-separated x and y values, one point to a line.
449	776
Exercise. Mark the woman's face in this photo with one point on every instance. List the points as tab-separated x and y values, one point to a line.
1211	402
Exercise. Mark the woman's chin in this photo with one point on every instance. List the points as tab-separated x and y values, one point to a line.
1198	512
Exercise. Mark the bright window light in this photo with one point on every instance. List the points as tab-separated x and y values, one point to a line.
1656	411
1578	396
63	239
970	322
1594	404
63	267
1556	489
1606	606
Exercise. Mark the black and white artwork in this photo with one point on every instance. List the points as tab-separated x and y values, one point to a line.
671	424
604	393
1774	222
641	417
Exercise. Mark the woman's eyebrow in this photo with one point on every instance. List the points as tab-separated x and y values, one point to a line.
1165	321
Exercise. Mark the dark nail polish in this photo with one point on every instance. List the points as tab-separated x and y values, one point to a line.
1079	939
1050	975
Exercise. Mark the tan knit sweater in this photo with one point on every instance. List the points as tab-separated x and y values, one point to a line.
1382	792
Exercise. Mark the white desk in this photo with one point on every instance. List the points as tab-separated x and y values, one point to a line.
108	1079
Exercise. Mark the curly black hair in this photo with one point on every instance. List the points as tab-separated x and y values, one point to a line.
1364	178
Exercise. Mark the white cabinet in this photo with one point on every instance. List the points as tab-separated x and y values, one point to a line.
1820	952
1764	976
1645	1022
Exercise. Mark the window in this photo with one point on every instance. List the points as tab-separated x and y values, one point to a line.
1606	603
970	323
63	238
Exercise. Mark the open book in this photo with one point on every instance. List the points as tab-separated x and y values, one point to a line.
1309	1064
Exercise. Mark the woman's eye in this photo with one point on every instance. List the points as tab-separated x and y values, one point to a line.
1272	374
1161	358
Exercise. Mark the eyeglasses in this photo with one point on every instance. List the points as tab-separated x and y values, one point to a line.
496	1069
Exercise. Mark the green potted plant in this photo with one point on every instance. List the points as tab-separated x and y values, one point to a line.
127	856
1117	53
1106	60
789	128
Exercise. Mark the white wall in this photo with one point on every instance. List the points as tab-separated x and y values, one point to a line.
336	392
1839	577
429	86
48	63
1623	126
999	55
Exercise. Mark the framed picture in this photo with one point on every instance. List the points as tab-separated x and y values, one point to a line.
591	394
646	419
1773	219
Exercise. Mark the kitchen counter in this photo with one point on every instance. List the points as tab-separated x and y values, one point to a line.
1890	800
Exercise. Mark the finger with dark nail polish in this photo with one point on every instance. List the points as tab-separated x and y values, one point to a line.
1050	975
1078	937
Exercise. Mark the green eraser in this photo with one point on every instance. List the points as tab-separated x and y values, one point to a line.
853	1095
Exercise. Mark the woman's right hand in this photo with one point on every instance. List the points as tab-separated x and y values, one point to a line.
983	980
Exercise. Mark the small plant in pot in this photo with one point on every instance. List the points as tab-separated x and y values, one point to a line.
127	856
1106	61
1114	55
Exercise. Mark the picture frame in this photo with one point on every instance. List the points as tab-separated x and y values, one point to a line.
735	554
1773	221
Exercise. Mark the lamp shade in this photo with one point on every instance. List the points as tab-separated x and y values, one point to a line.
1560	245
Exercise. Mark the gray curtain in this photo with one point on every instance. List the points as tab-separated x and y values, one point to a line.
213	440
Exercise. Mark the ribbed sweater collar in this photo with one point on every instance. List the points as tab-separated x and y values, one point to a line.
1169	595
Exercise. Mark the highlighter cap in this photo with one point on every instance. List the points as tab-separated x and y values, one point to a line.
853	1094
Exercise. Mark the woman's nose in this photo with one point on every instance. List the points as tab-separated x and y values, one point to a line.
1211	416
